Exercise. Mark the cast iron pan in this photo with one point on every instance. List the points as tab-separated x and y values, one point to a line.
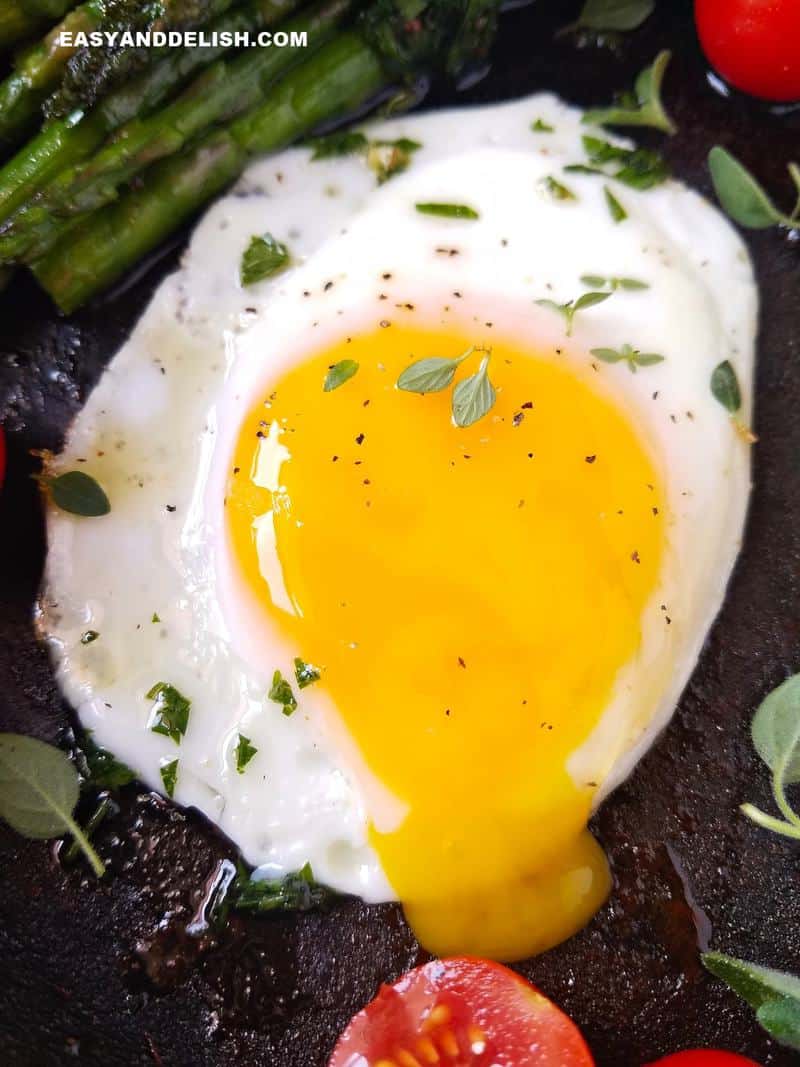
107	974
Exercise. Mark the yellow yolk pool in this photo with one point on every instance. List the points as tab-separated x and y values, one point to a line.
470	595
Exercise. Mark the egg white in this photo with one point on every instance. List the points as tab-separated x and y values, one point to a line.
159	429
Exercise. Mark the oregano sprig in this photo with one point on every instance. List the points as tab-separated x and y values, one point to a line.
571	308
628	354
775	995
775	731
39	788
473	397
642	107
744	199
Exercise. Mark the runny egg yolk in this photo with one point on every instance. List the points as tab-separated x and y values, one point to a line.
470	595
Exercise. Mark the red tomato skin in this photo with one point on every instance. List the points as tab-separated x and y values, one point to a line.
523	1028
753	44
704	1058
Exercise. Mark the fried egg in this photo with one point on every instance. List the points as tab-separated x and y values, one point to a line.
501	615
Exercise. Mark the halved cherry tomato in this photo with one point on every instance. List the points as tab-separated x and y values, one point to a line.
704	1058
463	1011
754	44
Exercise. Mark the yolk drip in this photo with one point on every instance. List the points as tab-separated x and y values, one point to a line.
471	595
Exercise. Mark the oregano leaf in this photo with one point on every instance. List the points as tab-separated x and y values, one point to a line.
339	373
78	493
473	397
39	788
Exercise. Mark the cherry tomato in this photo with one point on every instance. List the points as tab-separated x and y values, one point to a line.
465	1011
704	1058
753	44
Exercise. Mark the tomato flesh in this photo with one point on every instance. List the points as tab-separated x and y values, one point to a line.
704	1058
753	44
463	1012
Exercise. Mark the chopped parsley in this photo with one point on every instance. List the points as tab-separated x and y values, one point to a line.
447	211
263	257
294	892
244	753
169	776
305	673
281	693
170	713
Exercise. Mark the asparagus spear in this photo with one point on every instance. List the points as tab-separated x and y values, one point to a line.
345	75
227	88
38	70
67	142
91	73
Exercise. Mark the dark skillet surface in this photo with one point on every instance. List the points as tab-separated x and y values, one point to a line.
103	975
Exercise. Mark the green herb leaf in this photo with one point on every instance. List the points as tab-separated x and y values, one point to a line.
540	126
169	776
281	693
339	373
447	211
387	158
102	768
340	143
473	397
725	387
263	257
556	190
155	617
775	995
170	712
39	788
430	375
776	730
89	636
776	736
295	892
639	168
743	198
616	210
305	673
645	108
583	168
781	1020
597	281
244	753
78	493
572	307
631	285
632	356
619	15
